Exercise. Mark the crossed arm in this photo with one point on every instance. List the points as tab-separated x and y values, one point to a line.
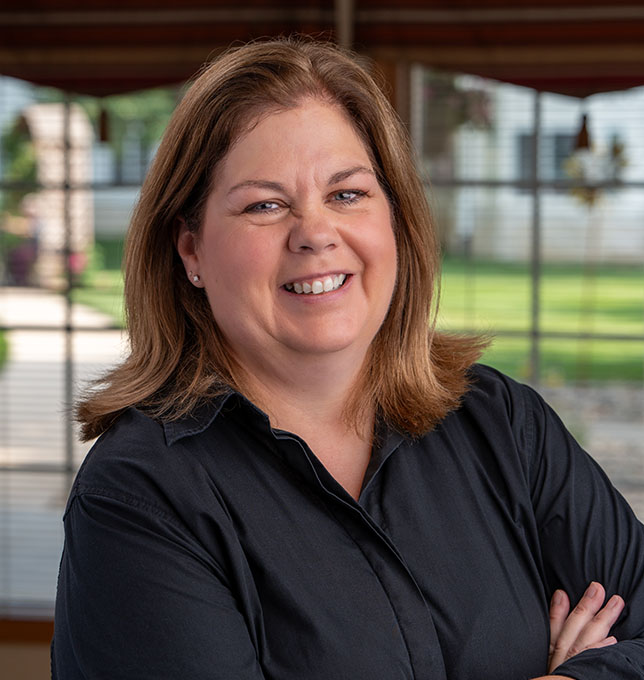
587	626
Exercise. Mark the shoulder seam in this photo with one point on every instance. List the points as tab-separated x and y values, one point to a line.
127	499
528	414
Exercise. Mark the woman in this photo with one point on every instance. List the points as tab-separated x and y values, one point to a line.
295	477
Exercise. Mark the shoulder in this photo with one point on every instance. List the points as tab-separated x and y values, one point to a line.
134	440
134	462
510	415
501	409
490	389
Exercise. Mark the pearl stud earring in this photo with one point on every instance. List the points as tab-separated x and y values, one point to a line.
195	277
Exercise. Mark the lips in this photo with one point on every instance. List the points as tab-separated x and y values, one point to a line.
325	284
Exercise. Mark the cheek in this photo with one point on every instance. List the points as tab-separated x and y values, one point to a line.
390	273
239	269
385	251
231	261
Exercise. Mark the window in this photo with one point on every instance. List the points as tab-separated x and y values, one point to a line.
63	218
553	271
555	149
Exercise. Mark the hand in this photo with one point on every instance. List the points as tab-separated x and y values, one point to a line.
586	627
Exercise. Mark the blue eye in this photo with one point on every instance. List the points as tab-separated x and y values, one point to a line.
263	207
349	197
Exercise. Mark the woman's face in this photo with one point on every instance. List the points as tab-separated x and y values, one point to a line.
296	250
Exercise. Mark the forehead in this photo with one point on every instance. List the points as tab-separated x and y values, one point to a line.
315	132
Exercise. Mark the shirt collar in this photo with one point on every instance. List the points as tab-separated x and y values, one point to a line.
386	442
202	417
387	439
197	420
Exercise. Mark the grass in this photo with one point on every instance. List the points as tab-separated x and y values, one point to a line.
495	297
565	361
103	291
4	349
102	282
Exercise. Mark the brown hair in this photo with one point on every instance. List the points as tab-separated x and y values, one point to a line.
414	374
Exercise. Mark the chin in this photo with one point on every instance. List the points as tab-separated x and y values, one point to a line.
329	344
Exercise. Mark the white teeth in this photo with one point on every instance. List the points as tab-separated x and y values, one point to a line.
326	285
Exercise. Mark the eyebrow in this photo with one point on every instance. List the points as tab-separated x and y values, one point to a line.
276	186
349	172
257	183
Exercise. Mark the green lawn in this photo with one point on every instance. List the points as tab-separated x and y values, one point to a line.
103	291
495	297
4	348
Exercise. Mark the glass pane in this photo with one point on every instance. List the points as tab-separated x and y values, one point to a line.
617	117
611	140
606	419
592	280
31	538
596	298
591	255
32	398
470	127
591	360
99	284
50	239
510	355
94	353
486	281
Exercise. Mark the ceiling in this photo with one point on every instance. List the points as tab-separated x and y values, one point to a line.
575	47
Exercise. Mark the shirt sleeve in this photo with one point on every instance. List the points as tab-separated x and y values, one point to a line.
138	598
587	532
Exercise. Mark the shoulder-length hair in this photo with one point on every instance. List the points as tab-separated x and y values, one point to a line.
178	357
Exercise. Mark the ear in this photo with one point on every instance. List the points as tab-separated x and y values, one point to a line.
186	244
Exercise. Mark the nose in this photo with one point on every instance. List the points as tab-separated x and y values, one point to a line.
312	232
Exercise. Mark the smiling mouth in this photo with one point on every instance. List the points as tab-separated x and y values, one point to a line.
317	286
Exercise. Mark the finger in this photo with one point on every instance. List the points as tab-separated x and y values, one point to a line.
582	614
594	633
559	609
606	642
598	628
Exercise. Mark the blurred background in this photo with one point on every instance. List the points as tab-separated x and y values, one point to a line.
528	124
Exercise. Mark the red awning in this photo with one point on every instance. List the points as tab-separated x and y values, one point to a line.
97	47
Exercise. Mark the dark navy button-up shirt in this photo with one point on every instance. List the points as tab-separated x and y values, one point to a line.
218	548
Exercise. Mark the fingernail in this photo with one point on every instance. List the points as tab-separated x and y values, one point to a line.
557	598
592	591
614	601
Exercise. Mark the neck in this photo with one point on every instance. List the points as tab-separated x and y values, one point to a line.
309	398
305	394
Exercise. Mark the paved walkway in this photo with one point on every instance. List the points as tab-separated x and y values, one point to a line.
32	433
32	384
